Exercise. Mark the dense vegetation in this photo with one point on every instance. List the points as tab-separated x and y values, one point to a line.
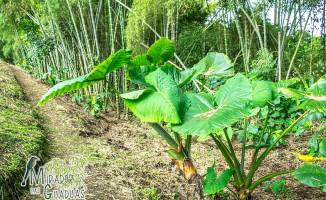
226	70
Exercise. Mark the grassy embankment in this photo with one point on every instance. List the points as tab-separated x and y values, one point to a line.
21	134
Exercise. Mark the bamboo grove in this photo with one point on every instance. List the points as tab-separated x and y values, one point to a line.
59	40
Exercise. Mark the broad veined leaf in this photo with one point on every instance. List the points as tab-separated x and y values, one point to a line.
213	65
139	68
322	148
186	77
161	51
66	86
312	175
199	103
99	73
319	87
218	65
165	103
288	83
178	76
316	97
173	72
114	62
263	92
203	117
214	184
291	93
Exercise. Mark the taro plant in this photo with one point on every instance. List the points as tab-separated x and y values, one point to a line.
164	104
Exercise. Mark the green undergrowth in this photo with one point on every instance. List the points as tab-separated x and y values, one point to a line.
21	134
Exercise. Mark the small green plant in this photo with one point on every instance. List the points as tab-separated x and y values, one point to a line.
165	104
54	76
276	186
148	193
95	104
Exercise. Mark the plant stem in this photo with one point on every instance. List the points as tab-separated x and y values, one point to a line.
254	157
224	153
262	157
243	152
269	176
188	145
233	156
165	135
227	157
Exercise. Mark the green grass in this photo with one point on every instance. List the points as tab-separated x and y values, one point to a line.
21	135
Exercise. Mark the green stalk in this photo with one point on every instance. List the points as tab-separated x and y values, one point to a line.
269	176
254	157
243	152
112	39
94	29
263	156
177	137
227	157
297	47
86	38
188	145
78	39
224	153
165	135
233	156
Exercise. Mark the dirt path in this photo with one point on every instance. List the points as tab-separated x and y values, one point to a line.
127	159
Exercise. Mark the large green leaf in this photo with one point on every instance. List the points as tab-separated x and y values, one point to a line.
263	92
322	148
291	93
165	103
178	76
139	68
288	83
214	184
66	86
213	65
173	72
314	98
312	175
114	62
161	51
203	117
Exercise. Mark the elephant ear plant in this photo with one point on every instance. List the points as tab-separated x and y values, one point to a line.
165	105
